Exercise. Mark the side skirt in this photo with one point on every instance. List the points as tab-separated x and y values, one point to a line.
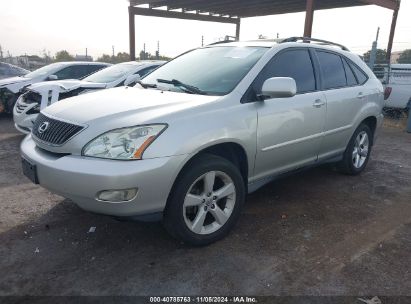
254	186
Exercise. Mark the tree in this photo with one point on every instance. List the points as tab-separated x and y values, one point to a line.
405	57
105	58
381	56
63	56
121	57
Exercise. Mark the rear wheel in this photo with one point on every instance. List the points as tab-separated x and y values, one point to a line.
206	201
358	151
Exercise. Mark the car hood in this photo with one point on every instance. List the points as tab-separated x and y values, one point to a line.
129	104
12	80
65	85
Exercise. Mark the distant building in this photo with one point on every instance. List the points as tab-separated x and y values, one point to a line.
83	58
395	56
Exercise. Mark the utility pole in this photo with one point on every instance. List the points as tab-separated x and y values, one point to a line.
202	40
86	52
1	52
144	52
278	35
112	49
158	50
373	54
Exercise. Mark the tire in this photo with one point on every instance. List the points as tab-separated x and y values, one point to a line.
355	160
191	198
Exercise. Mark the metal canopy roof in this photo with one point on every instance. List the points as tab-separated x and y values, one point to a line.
252	8
231	11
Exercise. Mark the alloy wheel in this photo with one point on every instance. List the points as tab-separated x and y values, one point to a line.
361	148
209	202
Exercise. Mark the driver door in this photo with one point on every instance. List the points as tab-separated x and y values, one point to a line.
290	130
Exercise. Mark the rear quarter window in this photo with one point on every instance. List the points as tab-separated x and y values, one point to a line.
359	74
351	79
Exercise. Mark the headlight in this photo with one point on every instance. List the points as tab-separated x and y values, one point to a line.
123	144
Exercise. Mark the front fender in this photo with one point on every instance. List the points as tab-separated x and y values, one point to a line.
198	131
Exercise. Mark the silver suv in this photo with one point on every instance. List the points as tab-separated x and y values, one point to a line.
195	136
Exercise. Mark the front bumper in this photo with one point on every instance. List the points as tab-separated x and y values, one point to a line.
81	178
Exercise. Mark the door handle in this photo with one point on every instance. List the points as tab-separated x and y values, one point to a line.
360	95
318	103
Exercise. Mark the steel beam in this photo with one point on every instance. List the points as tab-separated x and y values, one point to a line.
132	33
309	16
390	4
392	32
237	30
181	15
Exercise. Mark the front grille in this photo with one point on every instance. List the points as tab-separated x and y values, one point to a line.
54	132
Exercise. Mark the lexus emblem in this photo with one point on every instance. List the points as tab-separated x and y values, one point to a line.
43	127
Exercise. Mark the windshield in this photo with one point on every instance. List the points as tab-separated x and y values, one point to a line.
111	73
213	71
47	70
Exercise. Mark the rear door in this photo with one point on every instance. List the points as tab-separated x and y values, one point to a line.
289	129
342	85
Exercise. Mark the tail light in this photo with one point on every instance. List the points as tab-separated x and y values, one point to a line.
387	93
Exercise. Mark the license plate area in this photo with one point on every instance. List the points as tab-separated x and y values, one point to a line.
30	170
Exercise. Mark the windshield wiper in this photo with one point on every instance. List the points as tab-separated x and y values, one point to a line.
187	88
147	85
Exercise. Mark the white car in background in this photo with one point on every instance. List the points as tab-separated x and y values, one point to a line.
397	83
8	70
11	88
40	95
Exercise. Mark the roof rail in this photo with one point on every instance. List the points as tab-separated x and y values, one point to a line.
227	39
307	40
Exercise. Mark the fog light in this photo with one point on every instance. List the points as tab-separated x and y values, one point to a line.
117	195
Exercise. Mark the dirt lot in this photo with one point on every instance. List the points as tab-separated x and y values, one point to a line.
315	233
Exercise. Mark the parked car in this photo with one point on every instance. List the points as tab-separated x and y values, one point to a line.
396	79
11	88
201	131
40	95
9	70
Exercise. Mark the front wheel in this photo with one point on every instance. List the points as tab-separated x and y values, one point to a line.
206	201
358	151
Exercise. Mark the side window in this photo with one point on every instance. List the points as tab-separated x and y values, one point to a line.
351	80
67	73
90	69
332	70
361	76
146	71
77	71
296	64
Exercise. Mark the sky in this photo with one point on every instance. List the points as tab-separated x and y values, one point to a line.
32	26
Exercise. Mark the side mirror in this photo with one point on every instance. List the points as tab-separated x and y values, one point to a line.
132	79
279	87
52	77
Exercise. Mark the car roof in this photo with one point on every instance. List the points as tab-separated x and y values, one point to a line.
145	62
401	66
83	62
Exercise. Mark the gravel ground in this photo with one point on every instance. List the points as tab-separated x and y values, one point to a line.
314	233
